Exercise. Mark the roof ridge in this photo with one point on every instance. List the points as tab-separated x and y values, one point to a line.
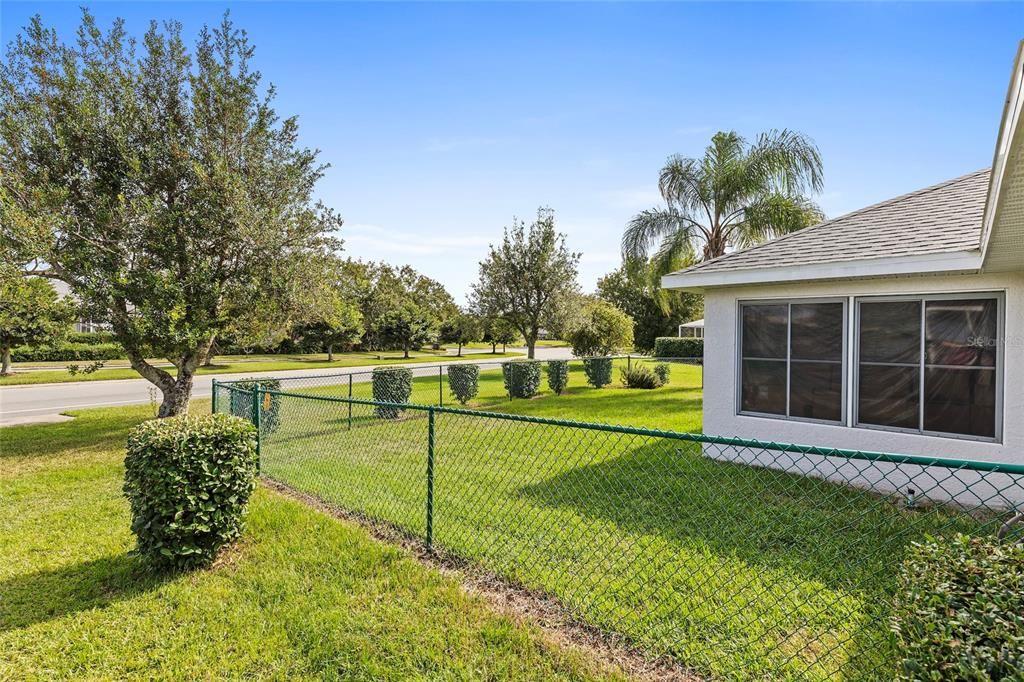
830	221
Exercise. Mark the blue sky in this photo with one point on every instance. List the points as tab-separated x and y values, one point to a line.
443	121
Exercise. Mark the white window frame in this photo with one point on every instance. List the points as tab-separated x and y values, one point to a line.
844	366
1000	368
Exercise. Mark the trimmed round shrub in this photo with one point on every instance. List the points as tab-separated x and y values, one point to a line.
959	610
639	376
558	375
188	481
598	371
391	385
464	382
270	403
522	378
664	372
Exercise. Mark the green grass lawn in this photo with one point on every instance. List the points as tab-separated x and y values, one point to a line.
240	364
739	572
303	596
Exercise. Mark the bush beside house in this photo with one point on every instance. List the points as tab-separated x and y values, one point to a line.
674	347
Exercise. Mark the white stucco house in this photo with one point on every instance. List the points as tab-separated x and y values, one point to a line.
896	328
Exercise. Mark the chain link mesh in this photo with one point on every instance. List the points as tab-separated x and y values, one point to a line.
740	559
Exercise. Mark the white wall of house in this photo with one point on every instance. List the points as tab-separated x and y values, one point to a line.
721	306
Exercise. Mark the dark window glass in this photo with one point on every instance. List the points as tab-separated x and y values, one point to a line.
764	386
889	396
960	401
961	332
817	331
816	389
764	331
890	331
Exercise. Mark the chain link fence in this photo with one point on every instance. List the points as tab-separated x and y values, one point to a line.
739	559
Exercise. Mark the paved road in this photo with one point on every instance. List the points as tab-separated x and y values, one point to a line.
44	402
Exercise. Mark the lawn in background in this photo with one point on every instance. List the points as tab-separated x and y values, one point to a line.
740	572
240	364
303	596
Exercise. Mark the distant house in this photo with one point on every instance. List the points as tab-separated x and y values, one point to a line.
81	324
898	327
693	330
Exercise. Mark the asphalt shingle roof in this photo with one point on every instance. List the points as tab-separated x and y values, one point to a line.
943	218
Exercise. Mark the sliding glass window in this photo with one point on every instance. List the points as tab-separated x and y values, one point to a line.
791	359
929	364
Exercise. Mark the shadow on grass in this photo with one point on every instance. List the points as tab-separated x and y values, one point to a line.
87	430
843	537
47	595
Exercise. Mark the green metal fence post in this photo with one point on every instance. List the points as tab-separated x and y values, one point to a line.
430	478
213	398
629	362
350	401
256	417
440	384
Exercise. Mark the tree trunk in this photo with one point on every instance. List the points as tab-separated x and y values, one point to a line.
406	349
494	347
504	348
6	367
177	396
531	346
330	352
460	349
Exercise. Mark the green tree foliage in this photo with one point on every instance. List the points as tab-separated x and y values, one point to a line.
601	329
738	193
462	329
499	330
327	310
387	295
31	314
526	277
159	183
635	289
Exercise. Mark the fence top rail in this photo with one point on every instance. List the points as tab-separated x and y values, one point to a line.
415	366
793	448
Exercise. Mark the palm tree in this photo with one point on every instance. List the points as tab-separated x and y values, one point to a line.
738	194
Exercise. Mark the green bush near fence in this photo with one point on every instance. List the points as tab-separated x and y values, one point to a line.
522	378
673	347
188	481
270	403
663	371
959	611
391	385
69	352
640	375
598	371
558	375
464	382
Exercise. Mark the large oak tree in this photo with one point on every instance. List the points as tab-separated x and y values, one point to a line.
158	182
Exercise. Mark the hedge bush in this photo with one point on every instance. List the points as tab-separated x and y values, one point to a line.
188	481
639	376
270	406
464	382
68	352
673	347
91	337
558	375
959	610
598	371
521	377
391	385
664	372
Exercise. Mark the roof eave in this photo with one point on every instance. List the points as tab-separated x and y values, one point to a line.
956	262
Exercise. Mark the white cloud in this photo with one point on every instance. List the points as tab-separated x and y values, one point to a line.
363	239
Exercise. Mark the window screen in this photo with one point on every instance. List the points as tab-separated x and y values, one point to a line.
929	365
791	361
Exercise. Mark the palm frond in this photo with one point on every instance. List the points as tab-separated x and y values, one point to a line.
675	251
773	216
787	162
652	226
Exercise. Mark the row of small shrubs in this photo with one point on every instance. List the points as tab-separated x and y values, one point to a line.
68	352
674	347
959	611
